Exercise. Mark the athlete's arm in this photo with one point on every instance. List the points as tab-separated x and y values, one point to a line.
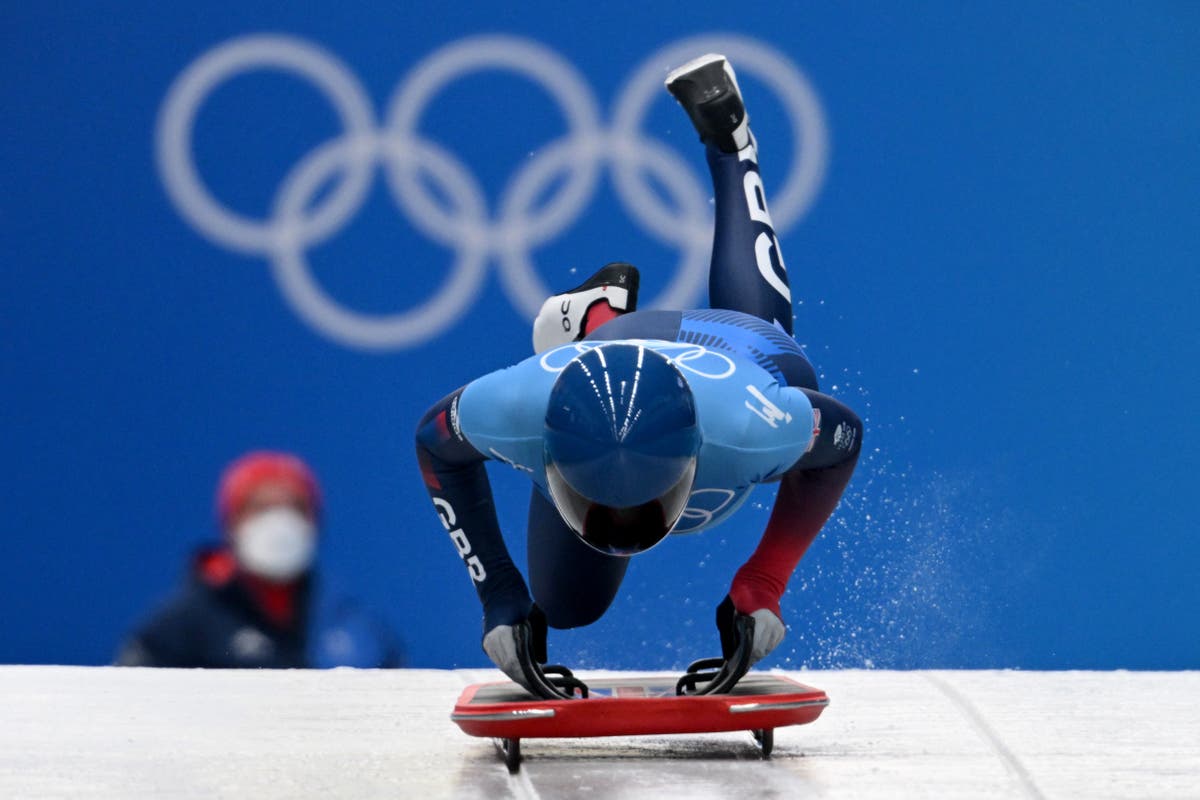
457	481
170	638
808	494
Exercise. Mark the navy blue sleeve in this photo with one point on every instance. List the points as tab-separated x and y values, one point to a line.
457	482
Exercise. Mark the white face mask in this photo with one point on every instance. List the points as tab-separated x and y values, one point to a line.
277	544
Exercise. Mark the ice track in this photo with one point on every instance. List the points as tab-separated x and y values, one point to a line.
104	732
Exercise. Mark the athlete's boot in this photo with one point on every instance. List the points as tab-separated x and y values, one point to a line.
570	316
707	89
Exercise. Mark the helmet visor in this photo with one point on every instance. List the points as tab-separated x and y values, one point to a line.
622	531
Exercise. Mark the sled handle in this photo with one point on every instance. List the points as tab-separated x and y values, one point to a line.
718	675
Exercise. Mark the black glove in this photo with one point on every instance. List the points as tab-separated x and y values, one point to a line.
768	631
720	675
519	651
745	638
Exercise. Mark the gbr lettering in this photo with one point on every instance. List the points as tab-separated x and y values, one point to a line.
756	204
459	537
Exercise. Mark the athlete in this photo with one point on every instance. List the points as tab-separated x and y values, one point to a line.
636	424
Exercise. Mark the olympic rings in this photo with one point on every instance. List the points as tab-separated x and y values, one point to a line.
458	216
692	358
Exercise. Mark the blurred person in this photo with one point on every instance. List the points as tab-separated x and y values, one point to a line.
633	425
255	600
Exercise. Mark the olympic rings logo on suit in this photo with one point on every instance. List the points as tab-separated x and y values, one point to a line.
477	235
695	359
696	515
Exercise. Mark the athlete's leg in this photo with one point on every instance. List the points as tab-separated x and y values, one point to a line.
572	583
747	272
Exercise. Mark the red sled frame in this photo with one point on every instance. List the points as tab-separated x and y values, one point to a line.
635	707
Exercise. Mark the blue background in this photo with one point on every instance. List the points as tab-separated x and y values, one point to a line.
998	272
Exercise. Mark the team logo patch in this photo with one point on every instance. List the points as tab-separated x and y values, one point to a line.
844	435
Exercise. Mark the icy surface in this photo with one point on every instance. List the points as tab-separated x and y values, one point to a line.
105	732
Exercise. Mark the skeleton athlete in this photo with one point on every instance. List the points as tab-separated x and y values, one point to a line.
636	424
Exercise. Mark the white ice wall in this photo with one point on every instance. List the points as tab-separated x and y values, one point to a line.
104	732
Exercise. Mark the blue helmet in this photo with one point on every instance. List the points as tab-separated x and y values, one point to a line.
621	444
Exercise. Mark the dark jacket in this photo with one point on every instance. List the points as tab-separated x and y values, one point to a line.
220	619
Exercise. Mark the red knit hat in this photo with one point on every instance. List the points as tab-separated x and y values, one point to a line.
252	470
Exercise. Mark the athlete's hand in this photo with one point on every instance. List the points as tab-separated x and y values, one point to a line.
500	644
517	649
768	630
520	650
746	637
